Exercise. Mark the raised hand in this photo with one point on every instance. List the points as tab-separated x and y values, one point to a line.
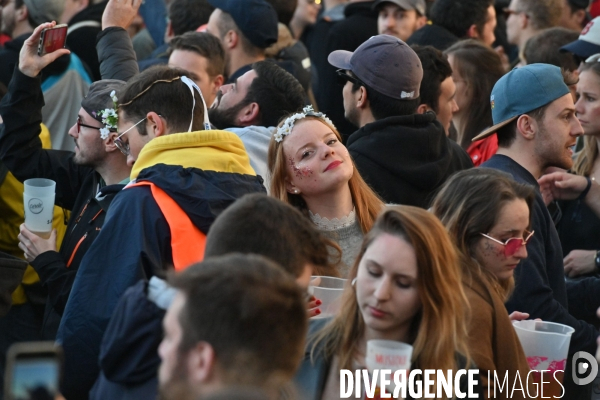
120	13
30	63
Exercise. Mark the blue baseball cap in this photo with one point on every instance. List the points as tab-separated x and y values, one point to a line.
523	90
256	19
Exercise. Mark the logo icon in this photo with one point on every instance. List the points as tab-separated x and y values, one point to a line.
587	28
36	206
583	363
492	102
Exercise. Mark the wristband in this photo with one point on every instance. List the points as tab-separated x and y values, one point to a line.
586	190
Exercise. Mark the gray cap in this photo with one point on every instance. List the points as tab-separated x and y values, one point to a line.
98	97
384	63
417	5
42	11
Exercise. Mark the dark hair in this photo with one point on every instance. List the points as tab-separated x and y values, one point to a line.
436	70
189	15
542	13
259	224
284	9
544	48
250	311
206	45
30	20
508	133
3	90
469	204
226	23
170	100
458	16
479	67
276	91
383	106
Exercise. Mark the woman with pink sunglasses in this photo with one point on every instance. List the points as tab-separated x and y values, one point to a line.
487	214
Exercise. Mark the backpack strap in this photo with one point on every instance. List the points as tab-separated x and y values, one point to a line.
187	241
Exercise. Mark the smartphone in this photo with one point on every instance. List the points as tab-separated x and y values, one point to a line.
33	371
52	39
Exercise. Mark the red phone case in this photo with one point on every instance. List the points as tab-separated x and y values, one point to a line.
53	39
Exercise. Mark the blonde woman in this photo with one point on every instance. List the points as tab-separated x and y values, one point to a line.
312	170
578	227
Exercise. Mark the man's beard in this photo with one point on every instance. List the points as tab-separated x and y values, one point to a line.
226	118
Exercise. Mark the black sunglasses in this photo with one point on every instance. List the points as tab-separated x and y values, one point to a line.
343	77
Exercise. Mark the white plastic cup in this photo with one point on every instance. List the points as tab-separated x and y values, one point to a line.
546	346
329	290
388	354
38	200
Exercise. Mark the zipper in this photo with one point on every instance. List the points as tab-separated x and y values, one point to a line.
75	249
84	236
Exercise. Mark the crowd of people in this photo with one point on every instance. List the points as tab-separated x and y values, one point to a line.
212	157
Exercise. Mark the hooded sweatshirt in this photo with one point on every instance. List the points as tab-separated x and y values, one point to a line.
406	159
203	172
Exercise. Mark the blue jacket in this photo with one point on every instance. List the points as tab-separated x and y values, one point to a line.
129	359
204	172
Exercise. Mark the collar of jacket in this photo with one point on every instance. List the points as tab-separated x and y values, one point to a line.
213	150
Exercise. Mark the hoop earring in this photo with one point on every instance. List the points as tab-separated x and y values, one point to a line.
354	282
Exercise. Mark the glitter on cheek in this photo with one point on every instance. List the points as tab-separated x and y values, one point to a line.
493	250
303	172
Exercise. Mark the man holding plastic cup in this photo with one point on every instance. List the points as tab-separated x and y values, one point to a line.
86	180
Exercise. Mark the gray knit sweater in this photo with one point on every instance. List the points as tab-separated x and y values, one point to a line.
349	239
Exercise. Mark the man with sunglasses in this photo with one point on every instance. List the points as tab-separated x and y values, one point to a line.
403	155
534	118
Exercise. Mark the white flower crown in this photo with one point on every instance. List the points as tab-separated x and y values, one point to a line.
110	118
288	124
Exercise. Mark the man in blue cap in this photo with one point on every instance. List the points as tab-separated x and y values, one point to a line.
534	117
245	28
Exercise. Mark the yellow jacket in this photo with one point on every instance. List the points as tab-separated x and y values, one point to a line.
12	212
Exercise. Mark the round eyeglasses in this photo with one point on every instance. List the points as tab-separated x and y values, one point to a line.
121	145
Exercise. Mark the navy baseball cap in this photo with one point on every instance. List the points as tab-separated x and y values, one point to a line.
256	19
384	63
588	42
523	90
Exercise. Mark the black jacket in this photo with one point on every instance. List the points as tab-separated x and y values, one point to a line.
81	39
433	35
358	26
406	159
76	188
9	60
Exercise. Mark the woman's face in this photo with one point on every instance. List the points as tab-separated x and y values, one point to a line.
316	161
307	11
386	287
462	96
512	223
588	103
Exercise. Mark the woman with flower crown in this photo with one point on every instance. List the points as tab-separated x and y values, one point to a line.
312	170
